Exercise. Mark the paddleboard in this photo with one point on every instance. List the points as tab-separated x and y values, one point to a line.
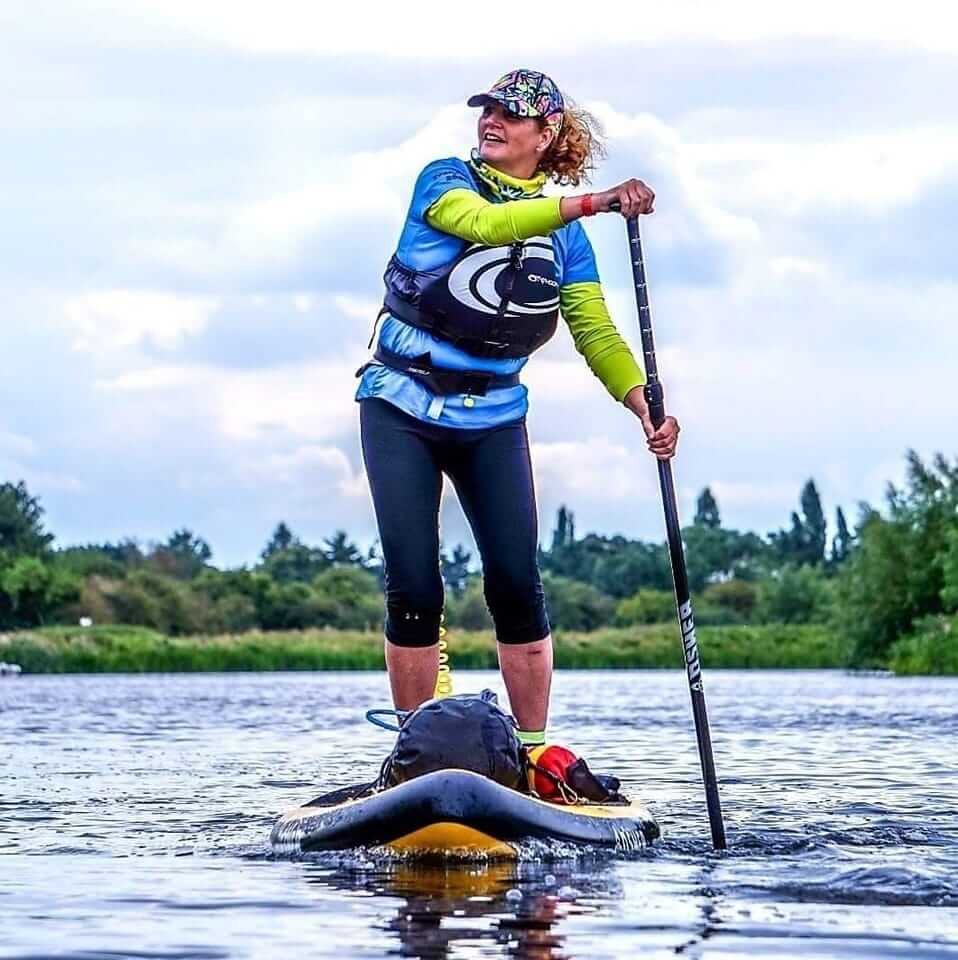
459	814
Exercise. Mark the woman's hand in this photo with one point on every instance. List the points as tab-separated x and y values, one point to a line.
661	442
634	197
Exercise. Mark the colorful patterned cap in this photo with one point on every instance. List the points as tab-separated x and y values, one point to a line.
526	93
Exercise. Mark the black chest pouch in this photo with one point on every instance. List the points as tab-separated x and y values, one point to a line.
490	301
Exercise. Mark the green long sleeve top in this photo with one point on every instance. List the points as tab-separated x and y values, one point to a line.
467	215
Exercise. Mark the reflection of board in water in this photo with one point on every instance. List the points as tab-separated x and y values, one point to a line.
445	908
458	814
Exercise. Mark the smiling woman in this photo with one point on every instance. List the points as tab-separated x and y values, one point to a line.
484	267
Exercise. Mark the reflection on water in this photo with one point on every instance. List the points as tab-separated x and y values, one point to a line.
443	908
135	811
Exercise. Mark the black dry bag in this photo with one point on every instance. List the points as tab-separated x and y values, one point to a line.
464	732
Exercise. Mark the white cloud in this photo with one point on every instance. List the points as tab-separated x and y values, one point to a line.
308	472
13	444
592	468
365	190
691	206
874	172
108	320
295	26
309	400
303	302
748	494
780	361
18	456
357	308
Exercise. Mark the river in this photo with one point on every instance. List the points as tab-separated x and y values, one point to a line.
135	813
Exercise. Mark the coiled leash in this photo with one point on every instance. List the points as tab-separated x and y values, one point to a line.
444	677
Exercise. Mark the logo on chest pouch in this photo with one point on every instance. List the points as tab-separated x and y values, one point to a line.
480	280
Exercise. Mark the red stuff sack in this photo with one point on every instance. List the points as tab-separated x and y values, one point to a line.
556	774
547	772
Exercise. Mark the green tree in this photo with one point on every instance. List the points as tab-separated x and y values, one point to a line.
805	542
795	595
90	560
707	510
32	591
714	554
740	597
296	563
183	556
949	590
843	540
150	598
455	569
468	610
564	532
21	522
896	574
288	560
614	565
646	606
576	606
353	595
229	599
281	539
340	550
126	553
293	606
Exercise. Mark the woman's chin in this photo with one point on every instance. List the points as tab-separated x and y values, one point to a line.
491	152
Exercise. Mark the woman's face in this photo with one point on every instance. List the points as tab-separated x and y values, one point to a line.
509	142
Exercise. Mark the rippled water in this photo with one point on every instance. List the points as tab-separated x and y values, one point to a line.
135	810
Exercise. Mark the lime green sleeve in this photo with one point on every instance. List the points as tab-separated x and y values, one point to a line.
596	338
466	215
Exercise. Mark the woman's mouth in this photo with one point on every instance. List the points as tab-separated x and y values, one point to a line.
492	138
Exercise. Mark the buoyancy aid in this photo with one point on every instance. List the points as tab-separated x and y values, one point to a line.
497	302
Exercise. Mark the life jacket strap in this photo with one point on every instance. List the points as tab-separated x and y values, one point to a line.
436	325
442	380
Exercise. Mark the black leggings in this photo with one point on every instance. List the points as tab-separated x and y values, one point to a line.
490	469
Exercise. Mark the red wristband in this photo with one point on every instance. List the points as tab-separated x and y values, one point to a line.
587	209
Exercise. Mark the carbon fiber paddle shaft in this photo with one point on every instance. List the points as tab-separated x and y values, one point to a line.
655	398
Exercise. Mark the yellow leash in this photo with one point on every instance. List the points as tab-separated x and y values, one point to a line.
444	677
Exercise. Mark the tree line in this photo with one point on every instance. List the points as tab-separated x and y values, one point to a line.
875	580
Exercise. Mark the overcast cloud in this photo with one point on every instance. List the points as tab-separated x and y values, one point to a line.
199	200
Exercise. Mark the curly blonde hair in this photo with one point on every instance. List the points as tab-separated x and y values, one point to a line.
575	152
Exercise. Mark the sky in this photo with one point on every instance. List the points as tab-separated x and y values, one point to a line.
198	201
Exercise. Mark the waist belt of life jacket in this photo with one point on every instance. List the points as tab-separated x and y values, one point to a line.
442	380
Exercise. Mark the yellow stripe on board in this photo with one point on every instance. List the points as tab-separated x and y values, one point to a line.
453	840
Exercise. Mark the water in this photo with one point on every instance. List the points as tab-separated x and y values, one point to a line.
134	815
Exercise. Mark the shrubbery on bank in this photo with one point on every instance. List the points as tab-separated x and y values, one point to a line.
932	648
138	650
889	586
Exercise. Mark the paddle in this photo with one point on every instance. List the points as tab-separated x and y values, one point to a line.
654	397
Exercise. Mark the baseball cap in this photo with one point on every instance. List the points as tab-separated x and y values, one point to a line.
525	93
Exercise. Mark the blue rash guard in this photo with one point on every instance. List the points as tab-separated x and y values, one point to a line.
423	247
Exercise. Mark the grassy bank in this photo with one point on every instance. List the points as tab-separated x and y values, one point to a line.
138	650
931	649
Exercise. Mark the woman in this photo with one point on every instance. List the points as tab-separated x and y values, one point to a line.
484	265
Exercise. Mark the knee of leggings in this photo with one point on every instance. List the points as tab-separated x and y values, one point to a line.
518	611
413	621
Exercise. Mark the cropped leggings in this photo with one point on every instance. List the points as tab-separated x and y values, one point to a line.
490	469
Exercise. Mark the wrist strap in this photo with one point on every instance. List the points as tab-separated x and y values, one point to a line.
588	209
